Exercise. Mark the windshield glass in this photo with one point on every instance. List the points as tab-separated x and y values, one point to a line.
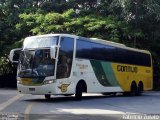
39	42
35	60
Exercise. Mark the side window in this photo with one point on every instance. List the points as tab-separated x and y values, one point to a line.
109	54
132	57
83	49
143	59
65	57
147	59
120	55
96	51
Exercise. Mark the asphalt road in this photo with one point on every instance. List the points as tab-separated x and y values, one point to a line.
92	106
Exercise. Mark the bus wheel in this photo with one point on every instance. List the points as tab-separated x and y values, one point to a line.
133	89
47	96
79	90
140	89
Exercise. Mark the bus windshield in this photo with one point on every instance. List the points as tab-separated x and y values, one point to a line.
40	42
35	60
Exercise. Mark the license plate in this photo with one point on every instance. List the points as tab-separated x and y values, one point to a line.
31	89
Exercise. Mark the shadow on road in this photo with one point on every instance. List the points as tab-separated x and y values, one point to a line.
59	99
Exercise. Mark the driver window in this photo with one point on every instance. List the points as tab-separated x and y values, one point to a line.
65	57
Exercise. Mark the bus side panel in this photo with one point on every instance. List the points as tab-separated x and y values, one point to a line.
98	76
102	76
125	74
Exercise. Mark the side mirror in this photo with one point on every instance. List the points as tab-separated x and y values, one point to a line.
14	55
53	51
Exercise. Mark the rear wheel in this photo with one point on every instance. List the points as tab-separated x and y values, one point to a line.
140	89
134	89
79	90
47	96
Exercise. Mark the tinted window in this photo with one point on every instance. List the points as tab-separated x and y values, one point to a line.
102	52
66	46
132	57
65	57
90	50
84	49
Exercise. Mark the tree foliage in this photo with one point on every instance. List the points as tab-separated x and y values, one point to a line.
108	27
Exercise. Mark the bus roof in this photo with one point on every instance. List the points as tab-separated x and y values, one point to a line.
97	40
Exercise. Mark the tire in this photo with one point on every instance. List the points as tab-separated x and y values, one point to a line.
79	90
139	89
134	89
47	96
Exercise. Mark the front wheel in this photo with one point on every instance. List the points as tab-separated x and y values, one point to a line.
79	90
47	96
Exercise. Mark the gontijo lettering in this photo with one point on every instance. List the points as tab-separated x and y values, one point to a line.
121	68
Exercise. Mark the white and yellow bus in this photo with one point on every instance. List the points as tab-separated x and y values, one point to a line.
64	64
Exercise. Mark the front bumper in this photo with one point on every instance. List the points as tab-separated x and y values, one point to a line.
38	90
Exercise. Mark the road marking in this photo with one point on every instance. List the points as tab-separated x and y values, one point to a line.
27	111
10	101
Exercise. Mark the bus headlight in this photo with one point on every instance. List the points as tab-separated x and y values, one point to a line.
19	82
48	81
